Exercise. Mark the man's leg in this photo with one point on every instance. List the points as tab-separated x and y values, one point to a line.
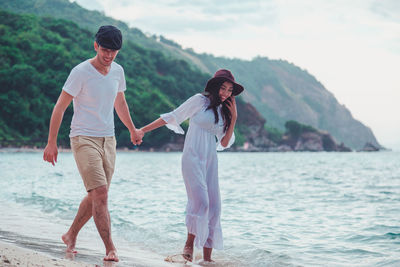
95	158
81	218
102	220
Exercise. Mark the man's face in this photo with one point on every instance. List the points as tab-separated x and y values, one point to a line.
105	55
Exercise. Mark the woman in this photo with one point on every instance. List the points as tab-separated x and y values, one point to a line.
211	114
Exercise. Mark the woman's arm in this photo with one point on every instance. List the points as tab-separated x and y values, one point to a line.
153	125
174	118
232	107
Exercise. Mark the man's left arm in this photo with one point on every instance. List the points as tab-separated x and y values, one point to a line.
122	109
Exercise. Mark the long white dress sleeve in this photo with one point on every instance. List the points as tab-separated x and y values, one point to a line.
220	134
186	110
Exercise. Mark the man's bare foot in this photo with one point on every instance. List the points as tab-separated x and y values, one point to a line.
111	256
70	255
188	253
70	242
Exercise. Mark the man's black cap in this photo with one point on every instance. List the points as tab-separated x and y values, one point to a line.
110	37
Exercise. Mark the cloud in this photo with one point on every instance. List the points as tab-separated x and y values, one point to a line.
175	16
387	9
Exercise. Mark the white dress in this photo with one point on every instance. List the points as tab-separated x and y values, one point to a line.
200	168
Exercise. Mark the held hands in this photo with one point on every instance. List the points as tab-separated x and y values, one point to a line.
231	105
137	136
50	153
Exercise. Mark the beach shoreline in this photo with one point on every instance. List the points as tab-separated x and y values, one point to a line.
60	149
12	255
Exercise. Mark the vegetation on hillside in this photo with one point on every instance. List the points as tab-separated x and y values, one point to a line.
37	55
295	129
278	89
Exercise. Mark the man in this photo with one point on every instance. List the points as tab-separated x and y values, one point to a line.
96	87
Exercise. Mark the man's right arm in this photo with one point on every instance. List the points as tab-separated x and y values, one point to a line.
50	152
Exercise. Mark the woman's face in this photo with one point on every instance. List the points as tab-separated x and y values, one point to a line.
225	91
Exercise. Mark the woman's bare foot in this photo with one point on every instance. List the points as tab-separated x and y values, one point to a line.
111	256
188	253
70	242
207	254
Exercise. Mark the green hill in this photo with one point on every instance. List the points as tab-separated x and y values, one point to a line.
278	89
37	55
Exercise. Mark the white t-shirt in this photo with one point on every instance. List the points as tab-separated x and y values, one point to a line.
94	95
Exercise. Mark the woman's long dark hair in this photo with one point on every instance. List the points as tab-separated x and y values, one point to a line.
215	101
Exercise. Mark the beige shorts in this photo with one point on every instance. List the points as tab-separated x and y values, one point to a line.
95	158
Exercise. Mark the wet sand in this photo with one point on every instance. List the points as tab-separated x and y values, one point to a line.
11	255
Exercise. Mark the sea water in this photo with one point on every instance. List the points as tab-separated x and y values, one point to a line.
278	209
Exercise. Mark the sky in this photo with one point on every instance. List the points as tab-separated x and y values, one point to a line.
351	47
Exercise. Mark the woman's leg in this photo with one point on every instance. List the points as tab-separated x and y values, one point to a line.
207	254
197	206
214	239
196	220
188	249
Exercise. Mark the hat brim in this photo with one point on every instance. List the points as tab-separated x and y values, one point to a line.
237	88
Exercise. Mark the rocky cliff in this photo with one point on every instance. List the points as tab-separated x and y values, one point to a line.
257	140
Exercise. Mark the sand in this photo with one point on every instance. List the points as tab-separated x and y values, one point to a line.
14	256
